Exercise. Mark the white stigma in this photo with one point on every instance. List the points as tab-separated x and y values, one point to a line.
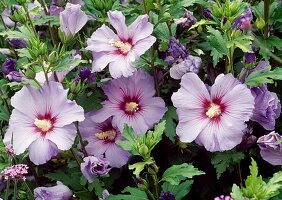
43	124
124	47
213	111
131	107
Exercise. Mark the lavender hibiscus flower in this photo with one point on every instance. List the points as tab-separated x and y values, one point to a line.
72	19
122	49
271	148
58	192
214	118
130	101
102	140
44	124
93	166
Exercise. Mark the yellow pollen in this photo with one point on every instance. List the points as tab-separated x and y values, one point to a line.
131	107
124	47
43	124
213	111
107	135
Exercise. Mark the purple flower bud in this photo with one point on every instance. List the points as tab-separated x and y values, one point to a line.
84	73
9	66
93	166
271	148
207	13
6	17
72	19
176	51
267	107
18	43
250	57
223	197
15	76
224	20
167	196
243	22
55	10
58	192
190	64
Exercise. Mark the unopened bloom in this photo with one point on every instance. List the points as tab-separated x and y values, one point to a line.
223	197
18	43
44	124
58	192
55	10
271	148
167	196
190	64
72	19
122	49
16	172
9	66
105	194
6	14
102	140
130	101
207	13
215	117
93	167
15	76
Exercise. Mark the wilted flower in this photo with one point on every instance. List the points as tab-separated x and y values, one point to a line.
167	196
216	117
16	172
105	194
267	105
122	49
93	166
130	101
244	21
18	43
72	19
223	197
9	66
271	148
15	76
190	64
44	124
187	20
85	74
55	10
58	192
207	13
250	57
102	140
176	52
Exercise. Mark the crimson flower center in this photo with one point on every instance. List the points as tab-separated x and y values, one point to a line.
43	124
213	111
131	107
109	135
124	47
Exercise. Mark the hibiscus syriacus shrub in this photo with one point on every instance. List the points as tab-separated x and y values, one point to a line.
140	99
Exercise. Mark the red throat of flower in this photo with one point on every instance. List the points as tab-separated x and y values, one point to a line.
123	46
107	136
43	124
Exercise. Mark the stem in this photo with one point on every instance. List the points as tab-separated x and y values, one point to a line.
240	175
29	19
144	6
75	157
5	102
7	190
156	185
152	53
150	194
28	189
81	141
15	190
266	17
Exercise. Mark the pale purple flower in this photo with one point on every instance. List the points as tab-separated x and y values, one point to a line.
58	192
190	64
9	66
72	19
167	196
130	101
102	140
93	167
223	197
122	49
214	117
271	148
55	10
267	105
15	172
42	121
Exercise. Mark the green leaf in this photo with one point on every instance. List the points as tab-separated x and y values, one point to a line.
177	173
66	63
170	117
263	76
135	194
54	20
24	32
139	167
236	193
96	185
274	185
180	190
162	31
201	22
129	143
225	160
152	138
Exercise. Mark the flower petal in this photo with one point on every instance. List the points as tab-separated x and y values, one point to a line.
116	156
101	60
117	20
121	67
143	45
